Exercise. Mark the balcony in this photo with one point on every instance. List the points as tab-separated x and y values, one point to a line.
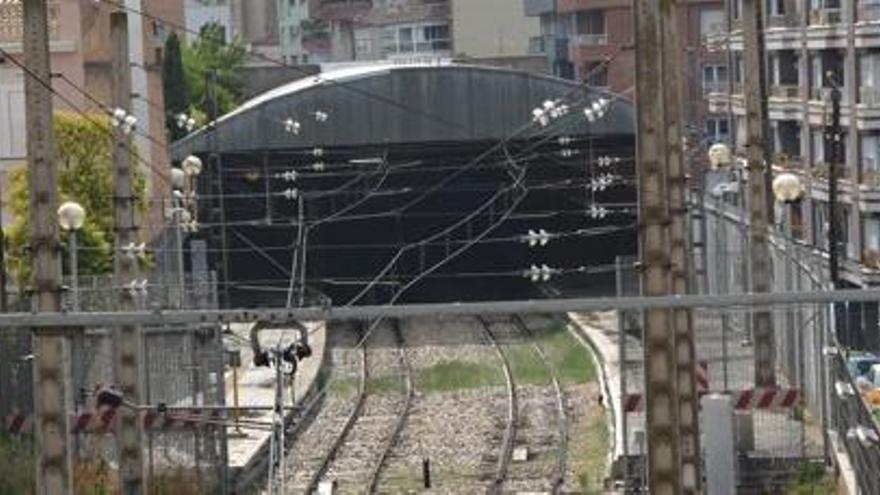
11	28
536	8
536	45
787	91
869	95
868	12
591	39
715	87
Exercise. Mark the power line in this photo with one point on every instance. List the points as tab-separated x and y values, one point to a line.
81	113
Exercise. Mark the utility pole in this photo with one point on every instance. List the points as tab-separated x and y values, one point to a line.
51	376
834	132
127	348
662	425
760	205
679	252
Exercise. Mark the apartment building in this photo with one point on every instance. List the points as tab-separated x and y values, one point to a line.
592	41
496	32
201	12
810	44
66	57
80	51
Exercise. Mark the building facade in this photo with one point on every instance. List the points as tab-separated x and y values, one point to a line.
80	52
811	44
495	32
592	41
201	12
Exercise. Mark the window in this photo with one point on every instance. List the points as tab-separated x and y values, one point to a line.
405	40
363	45
711	21
871	229
714	76
776	7
590	22
870	147
717	129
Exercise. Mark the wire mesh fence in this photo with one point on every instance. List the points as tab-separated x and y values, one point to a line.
182	366
774	438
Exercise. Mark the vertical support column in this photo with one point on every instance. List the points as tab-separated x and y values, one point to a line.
759	196
664	477
51	378
679	251
127	343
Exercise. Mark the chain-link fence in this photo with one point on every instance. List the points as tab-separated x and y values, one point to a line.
776	433
183	366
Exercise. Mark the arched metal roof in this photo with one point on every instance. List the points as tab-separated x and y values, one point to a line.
399	104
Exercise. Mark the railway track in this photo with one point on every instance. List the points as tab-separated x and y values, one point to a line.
368	432
505	454
517	329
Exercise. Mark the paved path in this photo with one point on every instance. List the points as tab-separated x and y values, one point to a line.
256	385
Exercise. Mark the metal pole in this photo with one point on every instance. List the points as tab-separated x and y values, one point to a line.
679	250
74	271
303	241
4	297
759	200
621	353
834	132
663	462
178	238
126	338
51	376
723	287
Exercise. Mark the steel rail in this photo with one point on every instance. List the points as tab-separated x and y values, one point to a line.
352	418
402	417
509	436
336	313
558	476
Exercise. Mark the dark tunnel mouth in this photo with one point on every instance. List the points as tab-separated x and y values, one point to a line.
344	254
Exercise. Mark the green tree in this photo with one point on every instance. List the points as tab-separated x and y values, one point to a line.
174	86
83	154
212	54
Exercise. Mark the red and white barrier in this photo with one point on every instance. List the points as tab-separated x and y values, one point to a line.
743	400
16	423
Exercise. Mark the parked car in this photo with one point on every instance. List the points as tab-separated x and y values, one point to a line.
859	366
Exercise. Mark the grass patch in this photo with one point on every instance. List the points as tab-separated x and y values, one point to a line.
573	363
16	466
589	450
457	375
526	365
342	387
386	385
812	479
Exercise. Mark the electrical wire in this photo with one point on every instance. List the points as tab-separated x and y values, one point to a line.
48	86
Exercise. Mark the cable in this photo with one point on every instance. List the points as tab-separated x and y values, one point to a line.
47	85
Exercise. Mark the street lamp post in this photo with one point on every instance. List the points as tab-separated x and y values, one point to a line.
788	190
71	216
183	180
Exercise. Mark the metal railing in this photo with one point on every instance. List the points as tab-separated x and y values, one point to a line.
856	429
536	45
869	95
868	11
825	17
590	39
792	91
